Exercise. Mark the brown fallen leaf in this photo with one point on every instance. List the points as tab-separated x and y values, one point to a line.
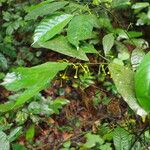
67	136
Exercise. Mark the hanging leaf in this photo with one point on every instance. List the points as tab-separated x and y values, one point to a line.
122	139
120	3
44	9
50	26
14	134
88	48
108	42
30	8
138	42
140	5
33	80
75	7
3	62
142	83
61	45
124	80
136	57
4	143
80	28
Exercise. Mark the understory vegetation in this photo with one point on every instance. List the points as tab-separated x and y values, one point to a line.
74	75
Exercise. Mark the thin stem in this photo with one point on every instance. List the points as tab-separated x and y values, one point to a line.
118	22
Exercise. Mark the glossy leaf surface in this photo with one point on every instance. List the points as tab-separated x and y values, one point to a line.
44	9
61	45
50	26
108	42
33	80
80	28
142	83
123	78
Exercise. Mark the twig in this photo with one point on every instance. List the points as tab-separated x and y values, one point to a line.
138	136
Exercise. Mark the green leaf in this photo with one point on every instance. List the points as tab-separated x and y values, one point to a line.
106	146
88	48
120	3
122	139
121	47
92	140
123	78
140	5
61	45
136	57
3	62
14	134
74	7
50	26
33	80
138	42
118	61
30	132
44	9
108	42
4	143
57	104
80	28
105	23
142	83
35	107
18	147
123	56
134	34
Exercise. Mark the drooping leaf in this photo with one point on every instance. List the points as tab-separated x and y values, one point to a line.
14	134
123	78
122	139
3	62
136	57
44	9
88	48
33	80
123	56
138	42
123	53
50	26
122	34
108	42
80	28
30	8
140	5
134	34
61	45
75	7
4	143
142	83
120	3
30	132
